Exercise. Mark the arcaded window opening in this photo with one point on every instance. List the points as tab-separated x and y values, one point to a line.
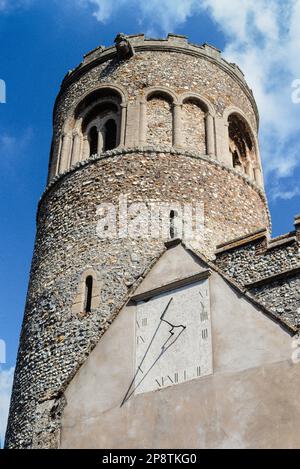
101	95
101	127
110	135
241	144
99	111
93	141
236	163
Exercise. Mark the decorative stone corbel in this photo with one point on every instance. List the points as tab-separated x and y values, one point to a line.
124	48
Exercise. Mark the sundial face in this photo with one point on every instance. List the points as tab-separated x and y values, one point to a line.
173	339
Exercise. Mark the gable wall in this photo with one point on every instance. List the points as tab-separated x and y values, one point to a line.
250	400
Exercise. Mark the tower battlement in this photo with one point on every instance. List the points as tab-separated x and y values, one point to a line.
172	43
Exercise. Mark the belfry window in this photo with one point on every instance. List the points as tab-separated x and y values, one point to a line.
100	123
110	135
88	294
93	141
241	144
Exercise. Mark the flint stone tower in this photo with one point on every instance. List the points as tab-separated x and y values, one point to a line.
163	121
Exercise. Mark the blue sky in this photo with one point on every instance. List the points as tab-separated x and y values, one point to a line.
42	39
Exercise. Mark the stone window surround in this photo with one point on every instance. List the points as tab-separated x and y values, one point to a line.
74	145
73	149
79	299
255	164
99	123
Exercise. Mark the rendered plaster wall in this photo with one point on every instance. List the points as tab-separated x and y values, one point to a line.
251	400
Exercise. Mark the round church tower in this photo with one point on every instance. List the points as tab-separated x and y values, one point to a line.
154	122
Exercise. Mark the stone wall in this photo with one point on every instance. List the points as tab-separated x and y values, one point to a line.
269	270
281	298
149	69
257	260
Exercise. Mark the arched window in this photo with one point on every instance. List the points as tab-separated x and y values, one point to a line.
110	135
93	141
241	144
101	116
88	294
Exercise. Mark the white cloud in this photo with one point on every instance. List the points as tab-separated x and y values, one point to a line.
6	380
11	146
158	15
8	5
103	9
284	194
167	14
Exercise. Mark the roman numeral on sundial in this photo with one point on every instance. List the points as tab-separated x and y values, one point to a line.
175	332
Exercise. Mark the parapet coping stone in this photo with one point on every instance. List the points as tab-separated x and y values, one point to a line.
272	243
242	240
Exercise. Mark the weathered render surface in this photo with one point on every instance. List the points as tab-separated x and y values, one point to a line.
232	408
171	102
